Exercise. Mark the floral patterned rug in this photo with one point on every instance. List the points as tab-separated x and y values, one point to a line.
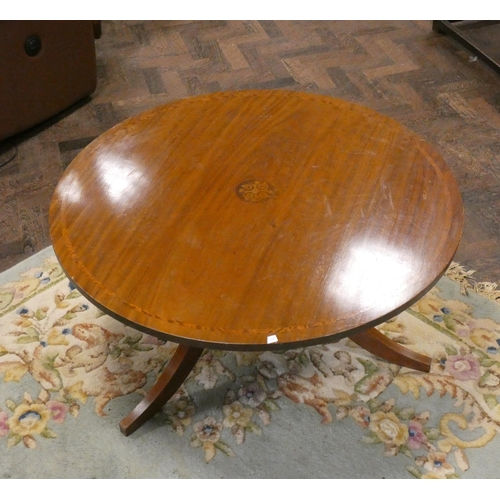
69	373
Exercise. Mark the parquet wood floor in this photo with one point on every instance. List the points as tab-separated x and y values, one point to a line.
400	68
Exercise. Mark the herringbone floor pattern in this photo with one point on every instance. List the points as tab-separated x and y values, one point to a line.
400	68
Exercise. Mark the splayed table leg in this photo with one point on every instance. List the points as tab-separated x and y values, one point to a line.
171	379
383	347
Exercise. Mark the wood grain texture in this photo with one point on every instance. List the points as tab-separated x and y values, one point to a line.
222	219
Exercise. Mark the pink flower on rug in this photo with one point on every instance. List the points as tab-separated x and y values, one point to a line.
4	426
208	430
207	435
463	367
57	411
361	416
466	328
436	464
416	435
251	395
179	413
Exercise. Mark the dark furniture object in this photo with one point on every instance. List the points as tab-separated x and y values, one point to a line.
462	31
45	66
256	220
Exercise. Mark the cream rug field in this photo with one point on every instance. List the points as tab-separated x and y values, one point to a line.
69	374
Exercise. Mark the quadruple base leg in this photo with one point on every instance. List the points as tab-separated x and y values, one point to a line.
177	370
186	357
383	347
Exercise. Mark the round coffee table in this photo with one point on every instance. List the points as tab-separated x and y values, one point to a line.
256	220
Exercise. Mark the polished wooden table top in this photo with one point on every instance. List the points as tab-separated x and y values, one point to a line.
256	220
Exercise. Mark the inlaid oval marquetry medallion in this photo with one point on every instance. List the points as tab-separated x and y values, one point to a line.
255	191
